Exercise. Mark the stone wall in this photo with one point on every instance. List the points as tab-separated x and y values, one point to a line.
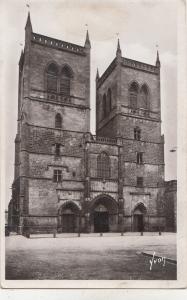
170	202
39	199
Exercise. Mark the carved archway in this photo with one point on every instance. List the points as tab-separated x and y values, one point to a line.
68	217
103	214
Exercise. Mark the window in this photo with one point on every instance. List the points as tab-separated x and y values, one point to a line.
103	165
139	181
139	157
137	133
104	106
57	82
58	121
65	81
57	149
57	176
109	100
52	73
143	103
133	95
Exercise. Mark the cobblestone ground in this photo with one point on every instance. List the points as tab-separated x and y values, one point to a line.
89	257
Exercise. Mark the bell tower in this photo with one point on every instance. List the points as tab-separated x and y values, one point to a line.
53	117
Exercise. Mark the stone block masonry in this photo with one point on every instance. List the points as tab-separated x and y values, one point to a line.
68	180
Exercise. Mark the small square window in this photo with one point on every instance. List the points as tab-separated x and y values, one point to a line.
139	181
57	177
137	134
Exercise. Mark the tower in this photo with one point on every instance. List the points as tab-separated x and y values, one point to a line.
53	117
67	179
128	107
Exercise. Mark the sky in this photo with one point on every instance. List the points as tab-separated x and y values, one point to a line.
140	25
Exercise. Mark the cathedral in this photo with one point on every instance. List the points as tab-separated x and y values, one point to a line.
67	179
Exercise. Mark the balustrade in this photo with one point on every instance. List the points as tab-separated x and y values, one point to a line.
41	39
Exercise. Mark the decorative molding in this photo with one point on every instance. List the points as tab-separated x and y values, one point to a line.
45	92
51	154
57	44
140	66
140	193
59	103
103	140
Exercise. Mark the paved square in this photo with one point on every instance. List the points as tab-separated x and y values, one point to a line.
89	257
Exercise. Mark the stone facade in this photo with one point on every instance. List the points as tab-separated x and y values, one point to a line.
171	205
67	179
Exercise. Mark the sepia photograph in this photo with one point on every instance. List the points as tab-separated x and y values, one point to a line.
90	135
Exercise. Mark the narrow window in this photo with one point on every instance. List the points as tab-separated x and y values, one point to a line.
103	165
109	100
52	73
104	106
58	121
143	103
139	157
137	134
65	81
57	177
139	181
133	95
57	149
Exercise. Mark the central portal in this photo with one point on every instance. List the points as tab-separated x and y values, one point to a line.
101	219
103	214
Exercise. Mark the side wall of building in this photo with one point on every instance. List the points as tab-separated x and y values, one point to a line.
171	205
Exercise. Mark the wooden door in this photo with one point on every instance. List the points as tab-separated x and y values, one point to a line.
68	223
101	221
138	223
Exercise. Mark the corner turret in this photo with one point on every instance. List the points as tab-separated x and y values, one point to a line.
87	41
157	60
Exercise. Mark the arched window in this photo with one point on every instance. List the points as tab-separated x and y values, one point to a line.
65	81
133	95
109	100
143	103
58	121
52	74
104	106
103	165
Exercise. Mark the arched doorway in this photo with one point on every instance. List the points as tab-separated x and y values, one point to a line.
139	217
68	220
104	214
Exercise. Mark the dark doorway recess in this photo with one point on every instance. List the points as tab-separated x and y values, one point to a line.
104	211
68	218
139	217
101	221
138	223
68	223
